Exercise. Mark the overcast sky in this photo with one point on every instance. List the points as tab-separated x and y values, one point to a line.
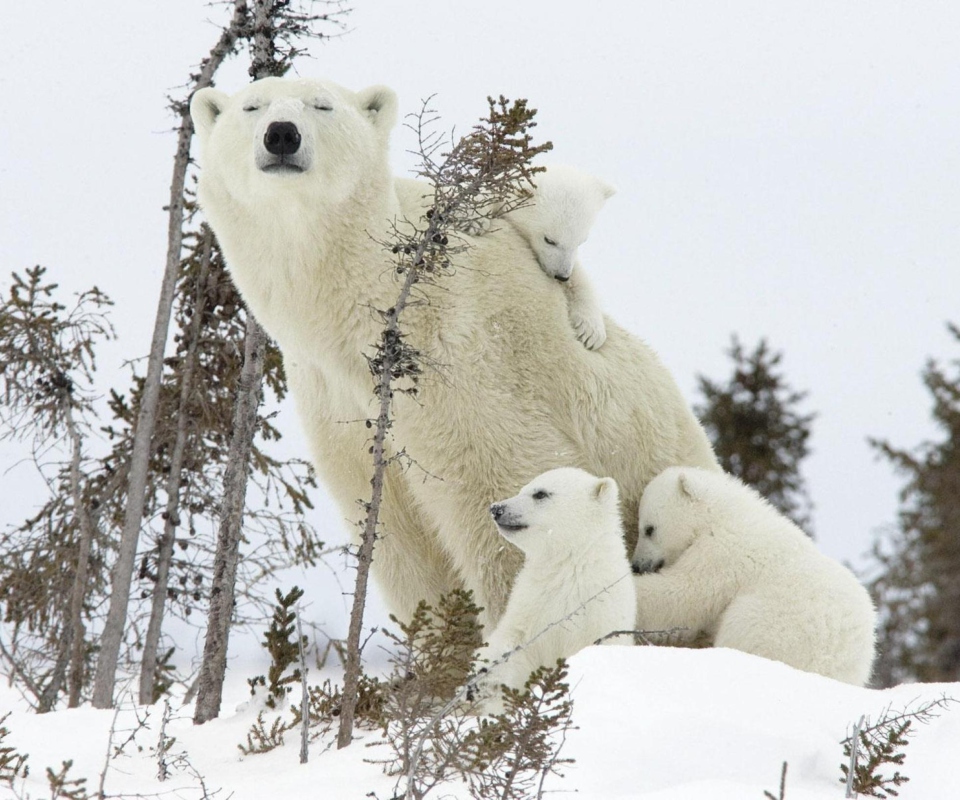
788	170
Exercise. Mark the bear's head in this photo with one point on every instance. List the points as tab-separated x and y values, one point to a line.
277	140
674	509
560	512
559	216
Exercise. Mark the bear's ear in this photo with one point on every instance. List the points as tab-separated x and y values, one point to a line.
205	106
604	488
606	189
379	103
688	487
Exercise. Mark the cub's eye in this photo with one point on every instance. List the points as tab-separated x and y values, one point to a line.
322	107
541	494
549	241
648	531
251	108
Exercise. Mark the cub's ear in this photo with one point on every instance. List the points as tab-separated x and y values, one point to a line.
688	487
379	103
604	488
606	189
205	106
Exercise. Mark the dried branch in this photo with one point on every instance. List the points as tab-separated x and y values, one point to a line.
493	161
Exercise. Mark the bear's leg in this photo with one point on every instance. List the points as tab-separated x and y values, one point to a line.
486	562
409	563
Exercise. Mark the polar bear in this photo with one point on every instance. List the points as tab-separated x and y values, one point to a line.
555	222
714	557
575	585
297	186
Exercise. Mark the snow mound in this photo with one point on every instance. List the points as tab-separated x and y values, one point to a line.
652	723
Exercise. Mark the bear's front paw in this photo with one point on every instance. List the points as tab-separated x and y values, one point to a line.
589	328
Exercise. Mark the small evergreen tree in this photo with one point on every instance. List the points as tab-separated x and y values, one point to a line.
47	564
757	430
917	588
284	651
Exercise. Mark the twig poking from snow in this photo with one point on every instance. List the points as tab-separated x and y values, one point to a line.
854	749
106	763
304	698
783	785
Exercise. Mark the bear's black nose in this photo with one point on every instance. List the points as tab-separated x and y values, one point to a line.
496	510
282	138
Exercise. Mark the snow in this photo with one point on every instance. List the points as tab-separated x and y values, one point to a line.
653	723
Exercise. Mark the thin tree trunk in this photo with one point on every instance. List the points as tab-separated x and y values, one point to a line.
73	635
79	590
151	642
304	698
222	592
352	665
122	574
48	697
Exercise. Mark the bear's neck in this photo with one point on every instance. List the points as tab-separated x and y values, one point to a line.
287	261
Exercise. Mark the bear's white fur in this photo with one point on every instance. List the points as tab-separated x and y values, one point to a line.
575	585
555	222
733	567
513	391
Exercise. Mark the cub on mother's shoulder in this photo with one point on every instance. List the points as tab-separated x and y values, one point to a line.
555	220
575	585
714	557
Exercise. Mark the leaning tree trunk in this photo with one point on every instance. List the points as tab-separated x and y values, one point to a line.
122	574
78	591
223	588
151	641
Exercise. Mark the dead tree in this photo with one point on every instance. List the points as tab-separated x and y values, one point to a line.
483	176
171	514
48	364
274	28
122	573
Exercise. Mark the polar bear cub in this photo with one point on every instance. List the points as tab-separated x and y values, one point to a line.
575	585
555	222
714	557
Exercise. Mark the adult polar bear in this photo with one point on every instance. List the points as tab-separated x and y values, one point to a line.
298	189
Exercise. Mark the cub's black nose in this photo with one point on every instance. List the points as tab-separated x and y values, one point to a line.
496	510
636	569
282	138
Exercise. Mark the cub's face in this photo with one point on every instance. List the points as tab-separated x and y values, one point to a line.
558	510
281	135
671	511
560	215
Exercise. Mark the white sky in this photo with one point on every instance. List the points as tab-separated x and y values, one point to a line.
788	170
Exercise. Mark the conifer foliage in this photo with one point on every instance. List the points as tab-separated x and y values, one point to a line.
284	651
49	565
917	585
757	429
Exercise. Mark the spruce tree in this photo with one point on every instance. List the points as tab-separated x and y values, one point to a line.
757	429
917	588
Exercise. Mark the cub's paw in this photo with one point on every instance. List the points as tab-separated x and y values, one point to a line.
589	328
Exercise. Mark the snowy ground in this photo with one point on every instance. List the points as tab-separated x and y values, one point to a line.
659	723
